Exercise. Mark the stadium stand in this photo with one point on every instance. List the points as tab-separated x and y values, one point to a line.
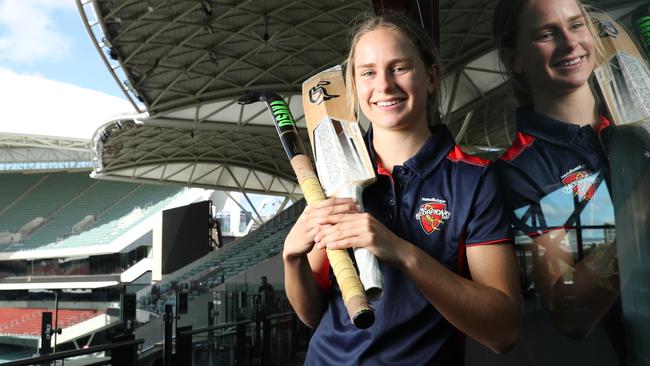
64	200
133	208
15	185
257	246
44	197
27	322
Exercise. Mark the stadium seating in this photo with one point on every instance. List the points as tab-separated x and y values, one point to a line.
44	197
65	199
13	185
257	246
138	205
27	322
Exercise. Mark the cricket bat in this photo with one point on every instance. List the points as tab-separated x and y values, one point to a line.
359	309
622	74
641	21
342	161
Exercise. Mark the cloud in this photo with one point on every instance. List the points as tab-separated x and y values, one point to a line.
36	106
28	32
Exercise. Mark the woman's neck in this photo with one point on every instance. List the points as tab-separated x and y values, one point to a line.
578	107
396	147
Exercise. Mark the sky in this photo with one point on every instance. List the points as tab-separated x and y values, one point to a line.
47	59
53	81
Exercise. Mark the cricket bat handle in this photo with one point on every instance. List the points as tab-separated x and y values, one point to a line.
369	271
352	290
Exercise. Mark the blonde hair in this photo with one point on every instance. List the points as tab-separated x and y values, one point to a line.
402	25
505	28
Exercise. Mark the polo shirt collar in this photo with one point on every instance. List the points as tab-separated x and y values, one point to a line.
545	127
430	155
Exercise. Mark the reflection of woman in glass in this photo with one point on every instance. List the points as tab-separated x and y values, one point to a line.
556	173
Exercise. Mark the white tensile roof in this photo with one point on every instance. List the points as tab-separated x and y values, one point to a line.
49	124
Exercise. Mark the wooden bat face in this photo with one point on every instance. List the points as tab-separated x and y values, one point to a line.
342	161
339	151
622	74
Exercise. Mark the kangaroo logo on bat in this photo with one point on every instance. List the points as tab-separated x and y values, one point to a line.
319	94
607	29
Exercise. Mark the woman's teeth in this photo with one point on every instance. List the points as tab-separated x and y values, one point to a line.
387	103
575	61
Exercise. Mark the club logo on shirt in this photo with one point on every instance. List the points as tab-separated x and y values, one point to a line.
432	214
580	182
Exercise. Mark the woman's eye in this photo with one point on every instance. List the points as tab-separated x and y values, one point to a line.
399	69
366	73
545	36
577	25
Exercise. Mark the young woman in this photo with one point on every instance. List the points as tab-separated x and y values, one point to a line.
556	173
433	216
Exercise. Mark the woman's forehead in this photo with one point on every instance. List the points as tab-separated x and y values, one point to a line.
539	13
383	42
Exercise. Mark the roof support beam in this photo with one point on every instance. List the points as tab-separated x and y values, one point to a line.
452	99
259	220
463	128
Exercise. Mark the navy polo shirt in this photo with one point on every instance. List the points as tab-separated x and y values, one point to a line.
556	174
442	201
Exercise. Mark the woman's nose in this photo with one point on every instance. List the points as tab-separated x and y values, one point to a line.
384	81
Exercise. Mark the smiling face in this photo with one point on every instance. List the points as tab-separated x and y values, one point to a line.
391	80
554	49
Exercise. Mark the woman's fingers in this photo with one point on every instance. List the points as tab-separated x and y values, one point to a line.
357	231
342	228
332	211
314	218
332	201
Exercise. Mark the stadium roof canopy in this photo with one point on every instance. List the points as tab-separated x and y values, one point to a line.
45	124
183	64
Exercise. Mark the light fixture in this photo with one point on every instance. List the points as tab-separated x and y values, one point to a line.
107	42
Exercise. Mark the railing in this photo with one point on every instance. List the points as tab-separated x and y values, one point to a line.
230	346
122	353
268	340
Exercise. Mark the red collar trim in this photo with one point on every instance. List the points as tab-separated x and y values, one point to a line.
604	123
381	170
457	154
522	142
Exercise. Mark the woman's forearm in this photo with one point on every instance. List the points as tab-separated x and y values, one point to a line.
303	292
488	314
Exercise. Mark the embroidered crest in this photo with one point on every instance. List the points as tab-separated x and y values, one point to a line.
580	182
432	214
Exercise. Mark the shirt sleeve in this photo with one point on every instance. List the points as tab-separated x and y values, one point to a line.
523	200
489	222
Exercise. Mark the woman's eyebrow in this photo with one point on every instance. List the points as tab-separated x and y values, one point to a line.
551	24
372	64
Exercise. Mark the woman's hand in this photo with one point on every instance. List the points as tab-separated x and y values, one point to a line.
355	230
313	219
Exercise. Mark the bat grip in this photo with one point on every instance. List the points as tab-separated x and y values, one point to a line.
352	291
369	271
